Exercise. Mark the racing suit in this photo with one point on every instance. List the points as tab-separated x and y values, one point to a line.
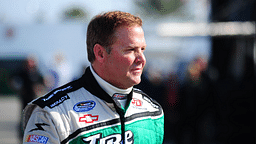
82	112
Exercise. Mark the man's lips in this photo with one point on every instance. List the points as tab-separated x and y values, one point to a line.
137	69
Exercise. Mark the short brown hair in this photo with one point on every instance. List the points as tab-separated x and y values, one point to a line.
102	27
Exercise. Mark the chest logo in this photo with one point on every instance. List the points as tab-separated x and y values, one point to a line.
119	96
84	106
110	139
88	118
136	102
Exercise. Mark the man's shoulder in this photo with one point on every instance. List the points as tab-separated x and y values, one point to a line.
58	95
147	98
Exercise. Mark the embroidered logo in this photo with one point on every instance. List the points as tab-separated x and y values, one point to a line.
110	139
37	139
88	118
84	106
39	127
55	92
61	100
136	102
119	96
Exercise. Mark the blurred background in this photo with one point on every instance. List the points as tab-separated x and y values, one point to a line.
200	61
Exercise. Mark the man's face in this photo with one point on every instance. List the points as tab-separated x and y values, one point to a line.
126	61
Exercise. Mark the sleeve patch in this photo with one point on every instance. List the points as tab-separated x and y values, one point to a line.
37	138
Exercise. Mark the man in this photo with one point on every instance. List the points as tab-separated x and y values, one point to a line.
102	106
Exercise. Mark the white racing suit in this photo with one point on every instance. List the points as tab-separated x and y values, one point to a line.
82	112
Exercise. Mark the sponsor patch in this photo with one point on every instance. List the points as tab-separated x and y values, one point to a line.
136	102
88	118
57	91
84	106
61	100
110	139
37	139
119	96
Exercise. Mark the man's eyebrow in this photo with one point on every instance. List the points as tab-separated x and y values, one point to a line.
133	46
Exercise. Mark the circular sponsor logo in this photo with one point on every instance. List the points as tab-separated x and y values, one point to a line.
84	106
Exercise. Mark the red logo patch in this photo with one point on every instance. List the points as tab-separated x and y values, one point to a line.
88	118
136	102
119	96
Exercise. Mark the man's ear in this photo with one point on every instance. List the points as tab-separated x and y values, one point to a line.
99	52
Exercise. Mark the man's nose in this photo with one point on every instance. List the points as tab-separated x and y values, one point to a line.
140	58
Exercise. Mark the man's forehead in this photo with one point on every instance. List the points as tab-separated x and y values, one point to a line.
128	28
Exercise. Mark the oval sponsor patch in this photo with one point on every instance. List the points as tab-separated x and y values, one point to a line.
84	106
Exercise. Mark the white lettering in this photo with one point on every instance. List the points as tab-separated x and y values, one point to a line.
111	139
59	101
92	139
69	87
129	137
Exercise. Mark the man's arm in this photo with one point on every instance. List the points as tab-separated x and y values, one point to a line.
39	127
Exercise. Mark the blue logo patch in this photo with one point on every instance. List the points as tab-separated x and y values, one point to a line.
84	106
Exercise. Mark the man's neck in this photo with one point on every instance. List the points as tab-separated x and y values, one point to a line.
110	89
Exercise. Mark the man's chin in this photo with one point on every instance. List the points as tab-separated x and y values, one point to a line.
137	80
